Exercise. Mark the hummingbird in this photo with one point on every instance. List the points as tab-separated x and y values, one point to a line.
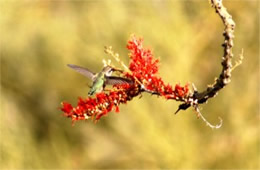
101	79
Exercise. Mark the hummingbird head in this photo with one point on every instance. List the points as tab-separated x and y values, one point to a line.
108	70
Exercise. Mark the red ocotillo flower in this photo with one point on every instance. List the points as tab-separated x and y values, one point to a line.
143	73
144	67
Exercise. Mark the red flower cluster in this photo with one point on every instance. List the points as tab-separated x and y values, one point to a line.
144	69
99	106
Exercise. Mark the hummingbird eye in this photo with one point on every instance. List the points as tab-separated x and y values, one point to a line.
109	72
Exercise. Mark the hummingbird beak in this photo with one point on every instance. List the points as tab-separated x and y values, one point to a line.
118	70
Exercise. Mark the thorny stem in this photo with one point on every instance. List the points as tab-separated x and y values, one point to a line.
225	75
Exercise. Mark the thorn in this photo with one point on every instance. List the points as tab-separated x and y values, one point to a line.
177	110
183	106
194	88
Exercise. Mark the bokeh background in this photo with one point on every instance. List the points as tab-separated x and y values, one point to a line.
38	39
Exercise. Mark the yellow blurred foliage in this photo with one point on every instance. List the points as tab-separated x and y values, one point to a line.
38	38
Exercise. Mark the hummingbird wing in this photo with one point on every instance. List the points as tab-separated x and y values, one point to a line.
112	80
83	71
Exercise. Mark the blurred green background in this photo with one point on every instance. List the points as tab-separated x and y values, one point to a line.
38	39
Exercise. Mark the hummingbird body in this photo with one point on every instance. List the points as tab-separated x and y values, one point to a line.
101	79
98	84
